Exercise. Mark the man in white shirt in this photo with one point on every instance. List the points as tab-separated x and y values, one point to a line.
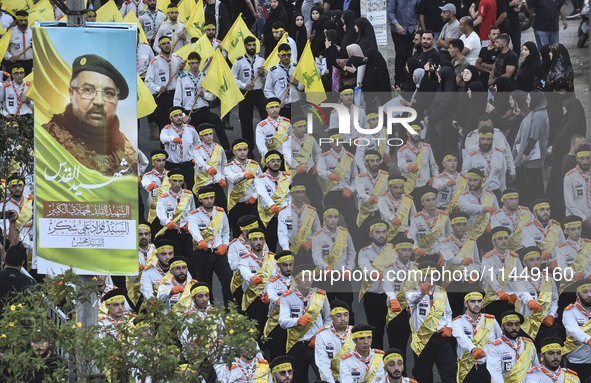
470	38
577	322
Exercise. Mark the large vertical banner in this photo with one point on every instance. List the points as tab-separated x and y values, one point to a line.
375	12
85	158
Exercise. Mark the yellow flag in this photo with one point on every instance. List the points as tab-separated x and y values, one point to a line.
162	5
202	46
306	72
220	81
42	11
109	13
131	18
145	99
194	26
273	59
185	10
11	6
4	41
234	41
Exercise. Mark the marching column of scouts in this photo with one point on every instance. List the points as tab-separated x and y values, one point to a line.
521	311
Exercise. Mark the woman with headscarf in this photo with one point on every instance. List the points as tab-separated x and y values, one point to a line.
315	14
409	85
366	37
350	36
502	90
512	118
560	67
573	122
530	149
530	67
441	134
355	63
470	75
542	82
298	33
377	77
317	42
277	14
332	52
472	105
306	10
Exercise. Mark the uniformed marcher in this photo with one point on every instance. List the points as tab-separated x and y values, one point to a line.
333	249
242	193
151	19
179	139
282	369
135	6
200	298
542	231
377	141
239	247
395	286
473	330
449	183
20	52
245	69
513	216
577	189
480	203
161	80
396	207
306	154
550	370
363	363
210	160
298	223
146	249
156	182
154	272
303	311
256	267
208	225
115	318
274	289
431	327
273	133
394	367
497	266
173	29
336	169
279	29
489	160
247	368
369	186
375	261
90	16
171	290
429	227
416	163
280	82
333	342
13	95
356	113
21	206
173	209
538	297
273	190
510	357
577	322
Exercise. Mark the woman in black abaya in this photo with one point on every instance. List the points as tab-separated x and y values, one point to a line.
530	67
366	37
277	13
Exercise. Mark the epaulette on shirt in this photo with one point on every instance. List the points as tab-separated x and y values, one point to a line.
562	244
234	240
531	370
163	195
500	150
263	123
426	144
473	152
274	278
194	211
490	316
311	207
496	342
184	74
488	255
383	172
286	173
286	293
6	84
347	355
198	146
188	191
318	231
458	317
378	351
325	154
366	247
320	291
446	239
245	255
263	361
261	175
219	208
514	254
569	306
527	340
233	366
27	83
529	223
154	59
411	380
362	175
101	318
322	329
465	192
569	172
273	68
570	371
350	155
471	238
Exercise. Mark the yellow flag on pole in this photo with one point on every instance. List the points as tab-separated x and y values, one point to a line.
42	11
220	81
273	58
11	6
4	41
162	5
202	46
233	43
145	99
131	18
195	23
185	10
109	13
306	72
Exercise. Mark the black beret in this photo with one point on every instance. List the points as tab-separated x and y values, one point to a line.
450	153
15	176
239	141
346	87
283	254
199	284
428	189
572	218
362	327
203	126
571	288
524	250
510	190
397	177
284	47
281	360
402	239
163	242
205	189
298	180
424	263
246	220
549	340
175	172
512	312
333	131
177	258
495	230
273	99
474	289
457	214
158	151
339	303
394	351
538	201
94	63
477	171
372	151
273	152
114	292
257	230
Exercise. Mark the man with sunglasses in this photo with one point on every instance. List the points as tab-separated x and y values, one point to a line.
89	126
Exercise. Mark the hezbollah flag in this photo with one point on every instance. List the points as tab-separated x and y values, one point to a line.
195	23
306	72
11	6
220	81
162	5
4	41
273	58
108	13
202	46
233	43
185	10
145	99
131	18
42	11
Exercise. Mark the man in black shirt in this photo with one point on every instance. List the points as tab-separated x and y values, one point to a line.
487	56
429	52
11	278
506	62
